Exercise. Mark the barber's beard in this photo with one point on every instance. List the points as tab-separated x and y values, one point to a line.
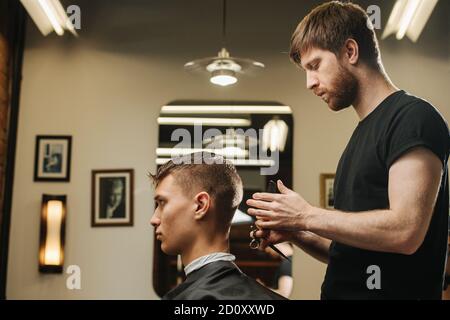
345	90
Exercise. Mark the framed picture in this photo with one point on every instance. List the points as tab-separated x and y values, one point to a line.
112	198
326	190
52	158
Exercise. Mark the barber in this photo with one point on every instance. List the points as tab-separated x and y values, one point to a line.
387	237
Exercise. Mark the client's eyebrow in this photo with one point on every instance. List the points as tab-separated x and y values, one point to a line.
159	198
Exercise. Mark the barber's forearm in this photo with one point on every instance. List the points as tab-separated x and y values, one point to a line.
314	245
377	230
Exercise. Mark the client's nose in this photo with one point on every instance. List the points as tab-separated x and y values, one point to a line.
155	221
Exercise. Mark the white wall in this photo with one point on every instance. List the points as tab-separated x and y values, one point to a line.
108	100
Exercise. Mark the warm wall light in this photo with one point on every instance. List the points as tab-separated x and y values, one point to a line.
53	222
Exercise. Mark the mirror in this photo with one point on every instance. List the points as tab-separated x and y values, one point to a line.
257	138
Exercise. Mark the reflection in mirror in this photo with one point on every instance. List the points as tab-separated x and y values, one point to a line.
257	138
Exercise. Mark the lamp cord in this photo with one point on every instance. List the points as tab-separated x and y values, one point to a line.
224	23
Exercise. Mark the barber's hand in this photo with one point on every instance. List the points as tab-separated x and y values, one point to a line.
287	211
268	237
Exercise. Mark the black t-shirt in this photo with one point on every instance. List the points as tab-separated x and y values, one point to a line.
399	123
284	269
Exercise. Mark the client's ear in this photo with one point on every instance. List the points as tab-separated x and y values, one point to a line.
203	202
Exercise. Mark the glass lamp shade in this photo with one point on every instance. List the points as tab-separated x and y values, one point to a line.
52	233
223	78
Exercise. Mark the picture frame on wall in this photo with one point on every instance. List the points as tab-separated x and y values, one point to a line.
112	198
52	158
326	190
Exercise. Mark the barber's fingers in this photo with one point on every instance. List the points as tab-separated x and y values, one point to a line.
267	224
259	233
259	204
264	243
259	213
283	189
264	196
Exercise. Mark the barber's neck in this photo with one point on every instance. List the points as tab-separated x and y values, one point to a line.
203	246
374	87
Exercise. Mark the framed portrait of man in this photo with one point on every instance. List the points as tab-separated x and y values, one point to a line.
112	197
52	158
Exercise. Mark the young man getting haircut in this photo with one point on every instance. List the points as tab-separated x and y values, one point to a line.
196	197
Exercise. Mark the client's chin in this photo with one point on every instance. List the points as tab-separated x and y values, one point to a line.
167	250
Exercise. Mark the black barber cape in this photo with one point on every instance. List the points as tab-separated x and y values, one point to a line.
220	280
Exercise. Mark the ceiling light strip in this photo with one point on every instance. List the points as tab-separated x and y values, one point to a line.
408	15
51	14
223	122
226	152
203	109
236	162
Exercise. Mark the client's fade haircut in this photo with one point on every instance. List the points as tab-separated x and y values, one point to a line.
329	25
204	171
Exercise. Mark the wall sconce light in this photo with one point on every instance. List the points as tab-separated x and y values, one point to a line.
52	234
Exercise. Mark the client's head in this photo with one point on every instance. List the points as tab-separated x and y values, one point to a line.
196	197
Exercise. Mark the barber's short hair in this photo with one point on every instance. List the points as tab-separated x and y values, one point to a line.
329	25
204	171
